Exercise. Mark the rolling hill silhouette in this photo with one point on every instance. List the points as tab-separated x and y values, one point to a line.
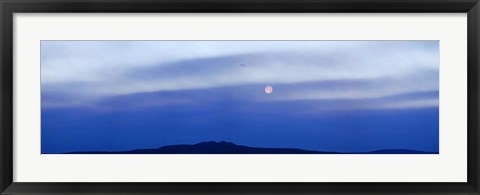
223	147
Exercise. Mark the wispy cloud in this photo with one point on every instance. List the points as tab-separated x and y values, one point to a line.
82	72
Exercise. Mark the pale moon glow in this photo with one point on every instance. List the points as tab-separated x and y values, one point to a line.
268	89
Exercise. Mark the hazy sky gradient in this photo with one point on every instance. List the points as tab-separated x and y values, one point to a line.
348	96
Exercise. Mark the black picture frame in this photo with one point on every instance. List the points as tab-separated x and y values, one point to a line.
9	7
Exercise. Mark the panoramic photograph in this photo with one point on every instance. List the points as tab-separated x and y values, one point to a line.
240	97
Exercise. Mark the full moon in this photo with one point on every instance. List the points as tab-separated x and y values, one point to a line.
268	89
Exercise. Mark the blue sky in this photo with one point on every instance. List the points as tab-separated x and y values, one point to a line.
346	96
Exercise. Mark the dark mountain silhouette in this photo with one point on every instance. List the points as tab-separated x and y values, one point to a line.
223	147
398	151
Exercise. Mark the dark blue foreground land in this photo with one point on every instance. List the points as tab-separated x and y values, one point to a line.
223	147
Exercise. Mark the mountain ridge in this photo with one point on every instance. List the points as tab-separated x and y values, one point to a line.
223	147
